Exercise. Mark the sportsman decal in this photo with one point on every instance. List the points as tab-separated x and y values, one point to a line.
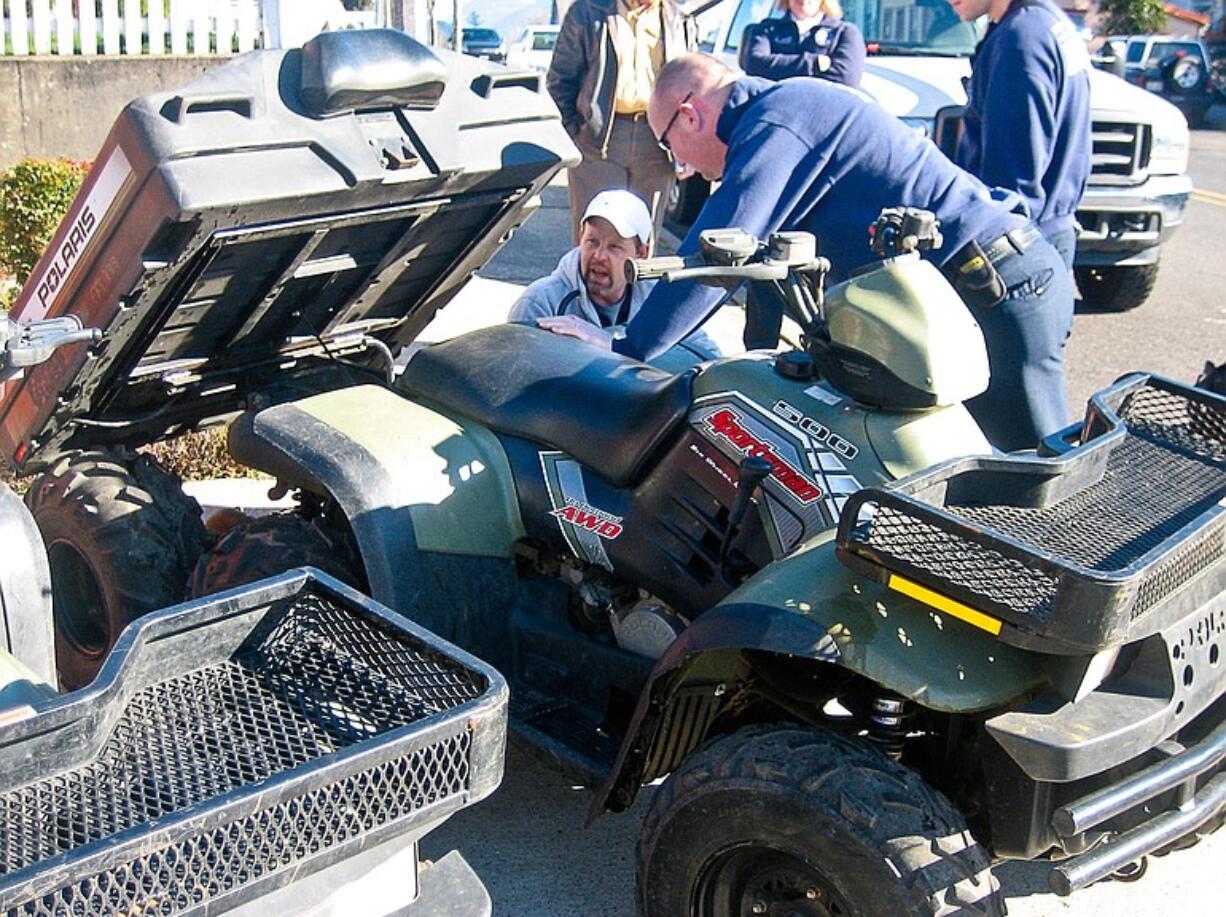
807	455
728	424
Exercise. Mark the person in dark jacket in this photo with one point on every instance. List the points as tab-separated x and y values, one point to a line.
805	154
1027	118
601	76
809	39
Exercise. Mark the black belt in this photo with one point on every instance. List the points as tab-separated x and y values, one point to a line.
972	271
1014	242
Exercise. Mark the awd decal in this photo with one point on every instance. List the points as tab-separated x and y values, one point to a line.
819	431
582	516
728	424
585	529
60	263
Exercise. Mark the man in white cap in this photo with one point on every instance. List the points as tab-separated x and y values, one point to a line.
590	279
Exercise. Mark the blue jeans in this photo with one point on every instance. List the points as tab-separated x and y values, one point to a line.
1027	397
1065	243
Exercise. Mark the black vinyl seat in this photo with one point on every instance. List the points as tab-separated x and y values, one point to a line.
608	411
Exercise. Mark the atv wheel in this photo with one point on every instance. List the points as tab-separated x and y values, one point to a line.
121	539
1116	289
273	544
779	820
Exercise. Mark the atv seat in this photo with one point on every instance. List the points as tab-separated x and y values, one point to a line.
608	411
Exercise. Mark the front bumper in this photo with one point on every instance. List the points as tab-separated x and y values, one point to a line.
1125	226
1130	768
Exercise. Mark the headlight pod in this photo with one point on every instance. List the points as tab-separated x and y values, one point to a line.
1169	153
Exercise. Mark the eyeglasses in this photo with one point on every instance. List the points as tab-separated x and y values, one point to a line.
663	141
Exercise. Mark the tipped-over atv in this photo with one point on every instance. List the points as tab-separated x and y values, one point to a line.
866	655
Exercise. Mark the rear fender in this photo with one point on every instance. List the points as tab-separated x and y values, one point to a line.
808	606
409	479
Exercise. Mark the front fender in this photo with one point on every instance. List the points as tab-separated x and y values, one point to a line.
809	606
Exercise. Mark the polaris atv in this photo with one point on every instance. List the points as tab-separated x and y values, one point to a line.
866	655
279	750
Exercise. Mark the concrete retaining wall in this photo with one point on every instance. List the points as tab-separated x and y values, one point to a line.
64	107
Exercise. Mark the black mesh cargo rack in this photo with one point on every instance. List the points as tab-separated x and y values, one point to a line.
1119	533
233	745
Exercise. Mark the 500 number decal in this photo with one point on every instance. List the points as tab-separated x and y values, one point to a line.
819	431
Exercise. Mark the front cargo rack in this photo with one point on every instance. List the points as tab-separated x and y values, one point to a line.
1120	532
233	745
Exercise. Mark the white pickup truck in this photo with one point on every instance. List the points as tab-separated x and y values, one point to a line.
919	58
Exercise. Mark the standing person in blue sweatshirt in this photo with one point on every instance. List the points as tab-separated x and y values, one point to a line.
1027	119
809	39
812	155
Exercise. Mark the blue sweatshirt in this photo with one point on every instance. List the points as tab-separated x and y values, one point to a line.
1027	120
775	49
811	155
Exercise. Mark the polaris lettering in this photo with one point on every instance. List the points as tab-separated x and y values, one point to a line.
67	256
727	423
587	517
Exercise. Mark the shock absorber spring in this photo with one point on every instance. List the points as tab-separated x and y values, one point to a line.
887	724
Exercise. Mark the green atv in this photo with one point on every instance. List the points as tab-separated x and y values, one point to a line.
866	656
279	751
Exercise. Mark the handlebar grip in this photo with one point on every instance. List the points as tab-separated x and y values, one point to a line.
652	268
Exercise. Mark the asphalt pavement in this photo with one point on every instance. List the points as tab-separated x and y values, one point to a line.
528	842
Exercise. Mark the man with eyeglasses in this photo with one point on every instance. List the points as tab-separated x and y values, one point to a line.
601	76
806	154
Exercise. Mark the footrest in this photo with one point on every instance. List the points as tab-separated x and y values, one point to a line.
233	745
1109	541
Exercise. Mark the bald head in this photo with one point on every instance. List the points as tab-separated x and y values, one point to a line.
689	94
699	74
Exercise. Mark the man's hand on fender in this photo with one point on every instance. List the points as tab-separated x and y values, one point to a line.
575	327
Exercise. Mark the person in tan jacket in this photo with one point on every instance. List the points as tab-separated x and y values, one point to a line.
601	77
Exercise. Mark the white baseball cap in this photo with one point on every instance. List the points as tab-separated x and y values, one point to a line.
625	210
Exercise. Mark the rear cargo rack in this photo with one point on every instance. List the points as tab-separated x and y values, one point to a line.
1072	552
233	745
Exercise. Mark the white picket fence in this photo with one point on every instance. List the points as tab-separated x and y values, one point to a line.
118	27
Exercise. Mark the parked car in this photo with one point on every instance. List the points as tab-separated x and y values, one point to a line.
485	43
1177	69
534	47
919	57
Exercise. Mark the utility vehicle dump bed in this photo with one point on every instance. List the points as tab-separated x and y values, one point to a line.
285	211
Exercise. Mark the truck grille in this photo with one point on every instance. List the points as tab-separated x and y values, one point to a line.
1121	152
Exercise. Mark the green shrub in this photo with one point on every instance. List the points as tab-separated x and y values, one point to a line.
34	196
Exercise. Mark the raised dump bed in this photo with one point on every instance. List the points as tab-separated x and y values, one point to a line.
1120	535
236	745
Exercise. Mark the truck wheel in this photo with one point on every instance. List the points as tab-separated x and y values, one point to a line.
785	820
1116	289
121	539
685	199
272	544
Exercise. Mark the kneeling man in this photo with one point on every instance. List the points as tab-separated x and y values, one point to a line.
589	282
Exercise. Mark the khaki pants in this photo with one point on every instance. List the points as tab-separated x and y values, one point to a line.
635	162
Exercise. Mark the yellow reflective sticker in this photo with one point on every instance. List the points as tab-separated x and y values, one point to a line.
944	603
